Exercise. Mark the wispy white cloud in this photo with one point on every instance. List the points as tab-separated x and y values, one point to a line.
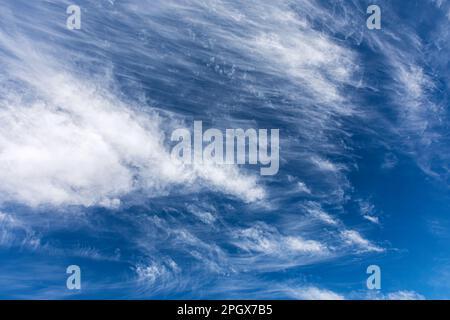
75	139
405	295
352	237
314	293
315	210
368	211
156	273
15	233
264	239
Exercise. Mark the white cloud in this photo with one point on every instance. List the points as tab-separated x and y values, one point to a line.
352	237
205	216
316	211
264	239
301	245
157	274
372	219
93	148
71	142
301	187
415	95
314	293
14	232
150	274
324	164
368	211
405	295
309	68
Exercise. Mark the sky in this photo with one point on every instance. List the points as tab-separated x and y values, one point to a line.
87	177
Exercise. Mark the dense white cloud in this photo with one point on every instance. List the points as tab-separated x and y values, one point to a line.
74	143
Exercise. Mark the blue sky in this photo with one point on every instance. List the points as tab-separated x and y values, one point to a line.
86	176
